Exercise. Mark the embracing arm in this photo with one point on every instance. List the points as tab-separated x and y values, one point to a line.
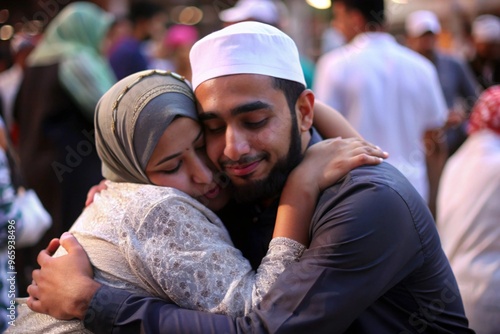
181	251
330	123
324	164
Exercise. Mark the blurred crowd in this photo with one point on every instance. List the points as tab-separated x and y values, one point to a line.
407	95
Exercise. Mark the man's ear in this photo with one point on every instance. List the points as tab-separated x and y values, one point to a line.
305	110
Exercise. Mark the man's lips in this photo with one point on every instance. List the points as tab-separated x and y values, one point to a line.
241	169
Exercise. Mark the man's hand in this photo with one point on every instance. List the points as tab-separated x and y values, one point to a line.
64	286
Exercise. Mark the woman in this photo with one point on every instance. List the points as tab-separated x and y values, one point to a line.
149	232
468	214
66	75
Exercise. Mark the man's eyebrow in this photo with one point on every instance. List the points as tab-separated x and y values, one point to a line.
175	155
241	109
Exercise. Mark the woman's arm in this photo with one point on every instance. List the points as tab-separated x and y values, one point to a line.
331	124
324	164
181	251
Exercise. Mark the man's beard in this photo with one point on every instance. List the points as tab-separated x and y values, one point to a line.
273	184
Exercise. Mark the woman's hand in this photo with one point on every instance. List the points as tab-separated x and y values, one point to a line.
95	190
328	161
324	164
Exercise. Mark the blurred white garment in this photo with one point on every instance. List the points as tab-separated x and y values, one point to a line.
389	93
468	218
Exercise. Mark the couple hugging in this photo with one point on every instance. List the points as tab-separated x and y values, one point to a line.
335	248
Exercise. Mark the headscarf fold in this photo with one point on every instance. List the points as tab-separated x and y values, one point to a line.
132	116
486	112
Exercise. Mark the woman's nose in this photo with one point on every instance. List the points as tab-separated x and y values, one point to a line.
201	173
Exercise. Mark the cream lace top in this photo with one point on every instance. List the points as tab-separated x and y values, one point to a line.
159	241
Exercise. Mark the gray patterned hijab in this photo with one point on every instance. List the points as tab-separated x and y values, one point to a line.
131	117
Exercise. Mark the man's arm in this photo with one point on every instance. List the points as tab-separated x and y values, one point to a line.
117	311
362	246
69	275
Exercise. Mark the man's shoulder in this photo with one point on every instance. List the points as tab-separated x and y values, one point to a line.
375	184
380	201
384	174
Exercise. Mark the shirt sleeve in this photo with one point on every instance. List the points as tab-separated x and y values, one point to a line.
184	254
117	311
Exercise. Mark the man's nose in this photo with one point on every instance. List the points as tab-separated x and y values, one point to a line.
236	144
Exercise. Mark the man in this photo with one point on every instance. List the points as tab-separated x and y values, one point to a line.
21	46
128	56
486	61
459	87
390	94
374	264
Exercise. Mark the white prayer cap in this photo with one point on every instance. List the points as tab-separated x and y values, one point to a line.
246	48
420	22
486	28
264	11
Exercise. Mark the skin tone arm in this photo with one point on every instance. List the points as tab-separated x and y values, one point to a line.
330	123
324	164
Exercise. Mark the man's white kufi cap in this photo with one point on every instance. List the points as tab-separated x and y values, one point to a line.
422	21
486	28
246	48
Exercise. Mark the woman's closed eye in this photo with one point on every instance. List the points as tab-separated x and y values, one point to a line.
169	170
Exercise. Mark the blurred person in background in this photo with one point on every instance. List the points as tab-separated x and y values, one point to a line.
129	54
174	50
468	214
65	76
485	63
21	46
459	86
6	60
331	38
269	12
389	93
